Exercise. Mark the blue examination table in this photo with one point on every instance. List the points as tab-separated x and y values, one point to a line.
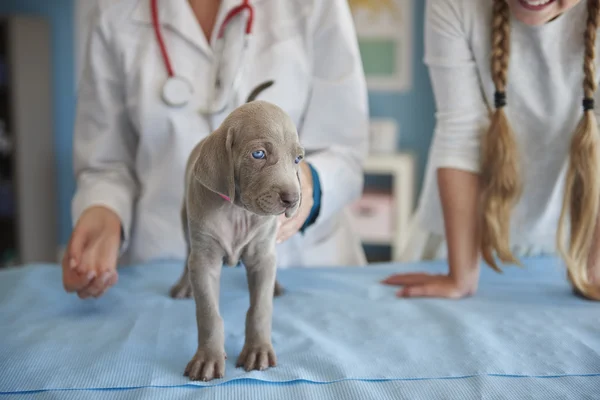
338	334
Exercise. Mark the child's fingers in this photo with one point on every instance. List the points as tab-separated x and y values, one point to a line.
423	290
407	279
440	288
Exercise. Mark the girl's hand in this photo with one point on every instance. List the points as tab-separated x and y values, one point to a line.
428	285
90	262
289	227
459	192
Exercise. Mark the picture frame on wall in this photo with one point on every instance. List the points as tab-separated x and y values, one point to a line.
384	30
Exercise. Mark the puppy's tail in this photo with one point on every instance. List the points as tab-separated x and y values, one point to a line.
258	90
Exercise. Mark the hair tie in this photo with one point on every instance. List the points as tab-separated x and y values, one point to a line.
588	104
499	99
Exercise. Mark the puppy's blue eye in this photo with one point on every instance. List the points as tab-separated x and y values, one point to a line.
298	159
259	154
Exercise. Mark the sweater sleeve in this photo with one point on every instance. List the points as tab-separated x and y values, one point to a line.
461	111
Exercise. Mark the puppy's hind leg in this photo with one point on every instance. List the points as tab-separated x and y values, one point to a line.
183	288
258	352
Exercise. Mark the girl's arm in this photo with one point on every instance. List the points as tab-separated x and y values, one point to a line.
461	117
459	194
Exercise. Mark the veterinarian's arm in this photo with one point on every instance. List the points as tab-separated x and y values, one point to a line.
335	129
103	141
461	117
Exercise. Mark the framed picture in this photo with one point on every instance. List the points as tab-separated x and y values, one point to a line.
384	30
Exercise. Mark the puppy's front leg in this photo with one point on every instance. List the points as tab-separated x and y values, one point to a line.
260	262
204	264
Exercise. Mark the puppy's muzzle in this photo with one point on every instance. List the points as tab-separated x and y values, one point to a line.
289	199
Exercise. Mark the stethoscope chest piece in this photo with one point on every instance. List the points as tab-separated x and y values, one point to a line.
177	92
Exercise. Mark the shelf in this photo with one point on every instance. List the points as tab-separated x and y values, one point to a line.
401	167
387	163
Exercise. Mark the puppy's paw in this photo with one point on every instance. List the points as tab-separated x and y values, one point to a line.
206	365
257	356
278	290
181	290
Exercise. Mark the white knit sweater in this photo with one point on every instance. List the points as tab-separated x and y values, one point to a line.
544	96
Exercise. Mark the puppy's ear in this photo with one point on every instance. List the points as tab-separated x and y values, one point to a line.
214	167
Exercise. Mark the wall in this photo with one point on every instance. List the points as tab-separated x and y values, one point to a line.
60	16
414	110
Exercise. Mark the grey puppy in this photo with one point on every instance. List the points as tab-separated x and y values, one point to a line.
238	179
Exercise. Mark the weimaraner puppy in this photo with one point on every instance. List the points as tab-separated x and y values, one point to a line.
238	180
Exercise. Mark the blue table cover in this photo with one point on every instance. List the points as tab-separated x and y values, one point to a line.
337	332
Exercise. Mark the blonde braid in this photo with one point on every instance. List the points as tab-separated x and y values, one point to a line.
500	180
582	188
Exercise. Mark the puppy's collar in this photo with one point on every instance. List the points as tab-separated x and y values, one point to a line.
226	198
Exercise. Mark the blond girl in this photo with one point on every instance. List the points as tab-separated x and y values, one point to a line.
514	167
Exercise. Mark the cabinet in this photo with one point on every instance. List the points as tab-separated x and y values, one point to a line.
382	215
28	205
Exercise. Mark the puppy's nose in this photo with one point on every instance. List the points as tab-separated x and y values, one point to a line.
288	199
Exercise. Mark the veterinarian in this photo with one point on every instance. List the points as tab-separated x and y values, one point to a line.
160	75
517	81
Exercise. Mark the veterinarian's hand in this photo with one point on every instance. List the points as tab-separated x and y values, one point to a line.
427	285
90	261
289	227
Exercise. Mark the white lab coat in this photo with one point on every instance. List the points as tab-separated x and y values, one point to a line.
130	148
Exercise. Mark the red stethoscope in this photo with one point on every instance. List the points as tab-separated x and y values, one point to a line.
177	91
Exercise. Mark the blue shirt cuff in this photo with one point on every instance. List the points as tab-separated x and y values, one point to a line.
314	212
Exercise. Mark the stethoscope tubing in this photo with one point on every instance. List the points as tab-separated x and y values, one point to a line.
177	91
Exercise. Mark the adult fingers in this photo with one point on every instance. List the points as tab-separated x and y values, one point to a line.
100	285
75	277
286	232
114	277
73	281
289	229
106	262
102	260
74	253
87	265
